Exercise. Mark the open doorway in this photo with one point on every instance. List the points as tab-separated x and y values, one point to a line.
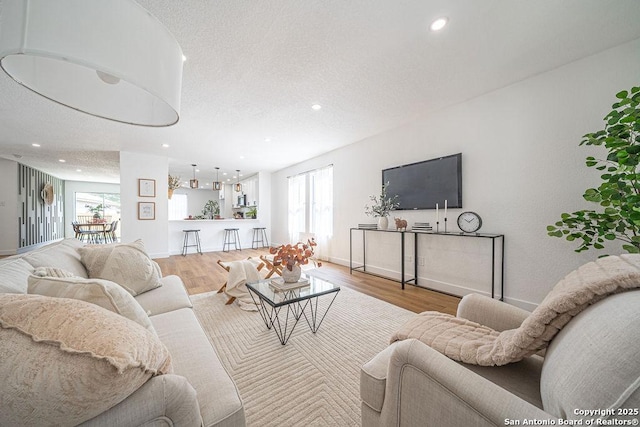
98	208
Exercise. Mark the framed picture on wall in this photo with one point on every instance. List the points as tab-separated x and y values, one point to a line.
146	210
146	187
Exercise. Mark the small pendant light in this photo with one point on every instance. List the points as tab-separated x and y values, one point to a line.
238	185
193	183
217	185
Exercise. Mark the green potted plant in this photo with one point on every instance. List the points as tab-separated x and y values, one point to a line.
381	206
618	196
252	213
96	210
211	209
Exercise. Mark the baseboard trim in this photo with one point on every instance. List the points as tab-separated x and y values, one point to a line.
449	288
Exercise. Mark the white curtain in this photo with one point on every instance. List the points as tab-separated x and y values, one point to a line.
297	206
321	212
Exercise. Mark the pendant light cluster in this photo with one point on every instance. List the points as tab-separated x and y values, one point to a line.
193	183
238	185
217	185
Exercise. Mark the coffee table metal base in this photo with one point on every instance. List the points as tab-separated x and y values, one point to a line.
280	322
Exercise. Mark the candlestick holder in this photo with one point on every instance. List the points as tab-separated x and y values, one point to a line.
437	226
445	224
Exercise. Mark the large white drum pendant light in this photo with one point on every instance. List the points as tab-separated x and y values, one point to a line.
111	59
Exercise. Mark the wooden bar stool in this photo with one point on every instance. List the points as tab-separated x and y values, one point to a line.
259	238
186	245
231	237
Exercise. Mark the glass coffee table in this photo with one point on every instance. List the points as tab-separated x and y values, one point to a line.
282	309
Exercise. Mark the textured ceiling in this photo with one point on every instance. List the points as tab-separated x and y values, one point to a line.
254	68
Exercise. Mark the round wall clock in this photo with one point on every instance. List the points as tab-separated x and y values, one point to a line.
469	222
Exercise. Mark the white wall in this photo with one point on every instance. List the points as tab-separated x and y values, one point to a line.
522	167
70	190
8	207
155	234
265	201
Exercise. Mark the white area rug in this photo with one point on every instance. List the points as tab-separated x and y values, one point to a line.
313	380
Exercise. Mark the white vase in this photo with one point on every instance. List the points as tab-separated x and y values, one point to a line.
383	223
293	275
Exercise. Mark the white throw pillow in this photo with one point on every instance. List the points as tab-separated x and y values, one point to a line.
65	361
52	272
127	264
103	293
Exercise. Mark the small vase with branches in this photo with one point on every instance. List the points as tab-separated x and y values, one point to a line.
174	183
381	207
292	257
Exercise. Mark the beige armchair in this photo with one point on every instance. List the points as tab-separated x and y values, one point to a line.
591	364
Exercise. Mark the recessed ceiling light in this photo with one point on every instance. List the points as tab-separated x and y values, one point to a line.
165	145
224	173
197	170
78	170
35	145
438	24
316	107
62	160
184	58
267	139
241	157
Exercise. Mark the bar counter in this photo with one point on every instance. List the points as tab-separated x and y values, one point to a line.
211	233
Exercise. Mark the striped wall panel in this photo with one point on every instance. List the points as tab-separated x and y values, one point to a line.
37	222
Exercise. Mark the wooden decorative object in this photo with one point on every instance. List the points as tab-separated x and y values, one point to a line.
47	194
401	224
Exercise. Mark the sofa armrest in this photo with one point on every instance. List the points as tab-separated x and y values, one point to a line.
495	314
425	388
163	400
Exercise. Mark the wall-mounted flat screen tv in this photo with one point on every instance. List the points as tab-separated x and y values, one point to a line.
423	184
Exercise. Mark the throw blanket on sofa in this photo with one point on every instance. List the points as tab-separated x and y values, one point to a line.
472	343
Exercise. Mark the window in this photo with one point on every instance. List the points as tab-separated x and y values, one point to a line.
178	206
98	208
311	207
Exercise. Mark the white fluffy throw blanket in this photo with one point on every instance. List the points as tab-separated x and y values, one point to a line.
241	273
472	343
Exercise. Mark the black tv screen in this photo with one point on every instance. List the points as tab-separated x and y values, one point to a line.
421	185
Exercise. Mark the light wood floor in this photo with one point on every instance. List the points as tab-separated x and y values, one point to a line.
201	273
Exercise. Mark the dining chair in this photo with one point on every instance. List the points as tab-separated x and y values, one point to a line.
114	227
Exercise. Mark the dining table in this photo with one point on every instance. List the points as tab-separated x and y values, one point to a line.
94	232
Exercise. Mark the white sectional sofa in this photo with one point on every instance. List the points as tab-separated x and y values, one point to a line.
198	392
